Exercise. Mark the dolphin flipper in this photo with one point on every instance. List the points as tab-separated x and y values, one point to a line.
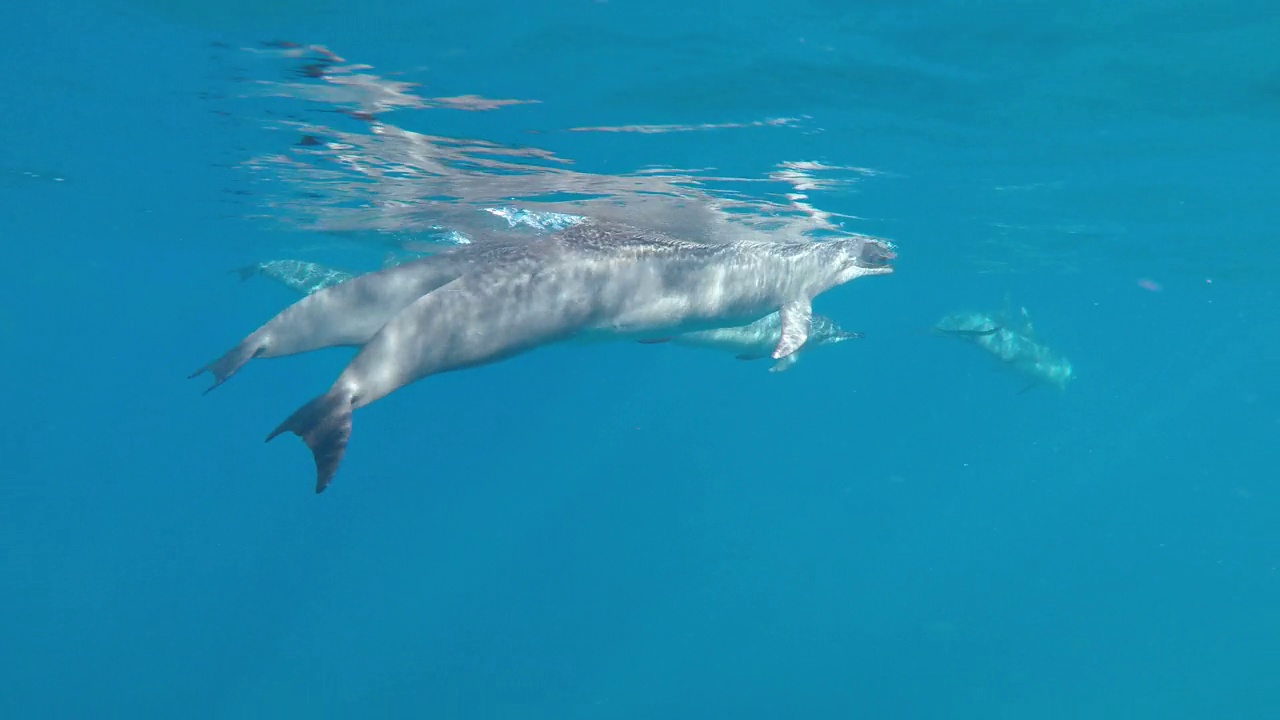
970	333
796	317
785	363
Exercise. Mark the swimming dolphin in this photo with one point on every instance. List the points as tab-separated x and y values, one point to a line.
304	277
347	314
593	280
298	275
756	340
1012	340
747	342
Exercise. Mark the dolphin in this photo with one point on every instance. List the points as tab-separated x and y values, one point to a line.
756	340
1012	340
348	313
299	276
590	281
747	342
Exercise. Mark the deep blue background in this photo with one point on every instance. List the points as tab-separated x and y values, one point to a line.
625	532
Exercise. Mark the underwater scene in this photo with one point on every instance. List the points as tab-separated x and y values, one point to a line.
616	359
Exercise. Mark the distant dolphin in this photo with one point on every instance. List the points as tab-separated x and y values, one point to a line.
592	280
305	277
757	340
298	275
1012	340
747	342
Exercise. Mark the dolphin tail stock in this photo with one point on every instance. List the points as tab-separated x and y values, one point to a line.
231	361
324	424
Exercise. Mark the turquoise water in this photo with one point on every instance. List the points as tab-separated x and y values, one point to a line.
892	529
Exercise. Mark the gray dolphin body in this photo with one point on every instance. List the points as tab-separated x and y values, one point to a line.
746	342
591	281
348	313
1012	340
758	339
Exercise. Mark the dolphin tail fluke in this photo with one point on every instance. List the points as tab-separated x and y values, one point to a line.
234	359
324	424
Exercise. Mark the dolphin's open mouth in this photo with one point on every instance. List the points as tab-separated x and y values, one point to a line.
875	255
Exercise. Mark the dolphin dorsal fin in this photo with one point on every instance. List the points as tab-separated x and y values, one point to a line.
796	317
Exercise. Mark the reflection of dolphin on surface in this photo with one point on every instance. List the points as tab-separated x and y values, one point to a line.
746	342
593	280
1011	339
757	340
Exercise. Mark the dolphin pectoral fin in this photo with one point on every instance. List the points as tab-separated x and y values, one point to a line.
970	333
324	424
848	335
796	317
785	363
654	341
1025	327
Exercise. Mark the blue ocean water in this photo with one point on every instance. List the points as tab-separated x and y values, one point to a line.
892	529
